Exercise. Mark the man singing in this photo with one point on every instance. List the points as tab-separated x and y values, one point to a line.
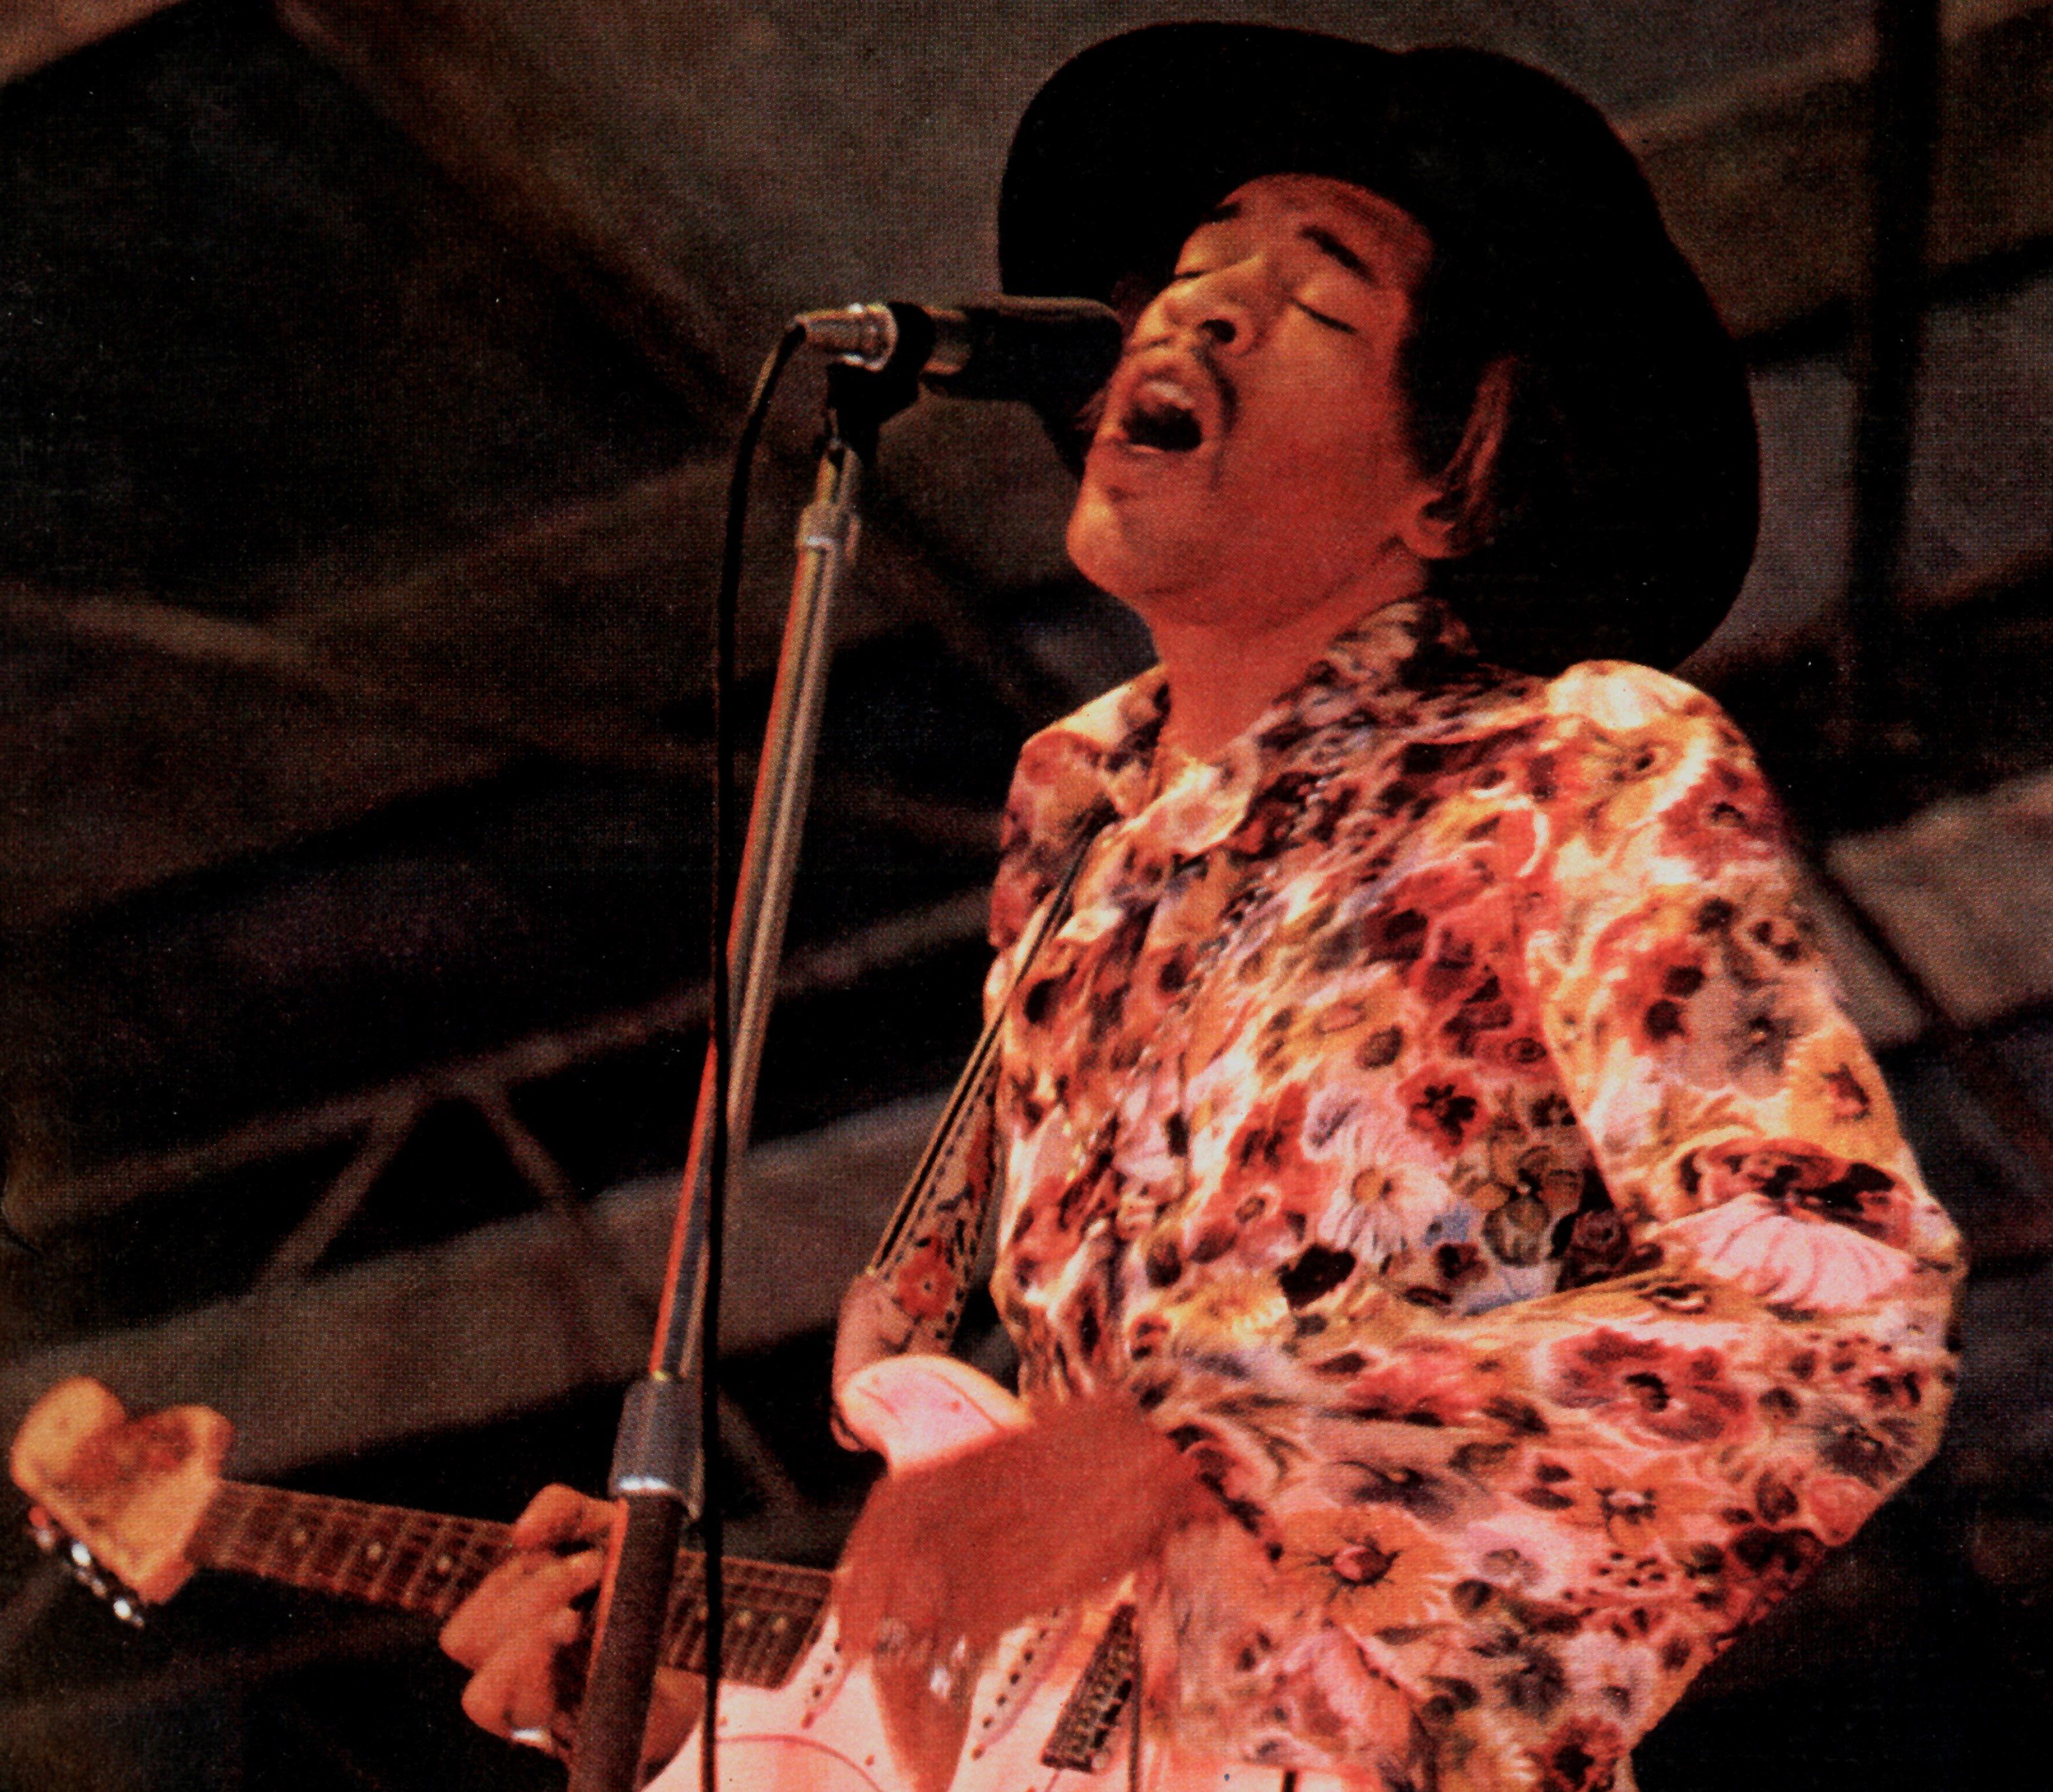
1463	1264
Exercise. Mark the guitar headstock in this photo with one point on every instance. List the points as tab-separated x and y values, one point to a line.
128	1494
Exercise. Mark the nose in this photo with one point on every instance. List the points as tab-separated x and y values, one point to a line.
1219	304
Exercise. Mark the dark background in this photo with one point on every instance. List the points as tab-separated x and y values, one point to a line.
366	377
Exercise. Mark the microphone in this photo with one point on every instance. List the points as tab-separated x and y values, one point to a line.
1054	353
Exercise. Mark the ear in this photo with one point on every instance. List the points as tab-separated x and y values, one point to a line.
1461	515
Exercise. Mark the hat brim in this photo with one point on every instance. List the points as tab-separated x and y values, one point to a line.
1648	415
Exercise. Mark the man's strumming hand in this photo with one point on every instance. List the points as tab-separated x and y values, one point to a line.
947	1557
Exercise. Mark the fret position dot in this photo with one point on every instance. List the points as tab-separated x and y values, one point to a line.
443	1564
300	1537
373	1552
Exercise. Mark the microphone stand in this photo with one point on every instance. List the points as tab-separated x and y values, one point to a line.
658	1474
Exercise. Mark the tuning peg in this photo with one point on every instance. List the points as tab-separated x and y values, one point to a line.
85	1570
77	1556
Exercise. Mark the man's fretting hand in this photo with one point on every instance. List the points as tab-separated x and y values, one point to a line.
947	1558
513	1631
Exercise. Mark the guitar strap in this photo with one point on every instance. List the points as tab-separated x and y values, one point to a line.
923	1265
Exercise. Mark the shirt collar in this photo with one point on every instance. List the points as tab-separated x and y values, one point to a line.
1375	673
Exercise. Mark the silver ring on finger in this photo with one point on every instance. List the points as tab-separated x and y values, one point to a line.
537	1736
944	1678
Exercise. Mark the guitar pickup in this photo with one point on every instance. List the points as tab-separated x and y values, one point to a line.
1082	1741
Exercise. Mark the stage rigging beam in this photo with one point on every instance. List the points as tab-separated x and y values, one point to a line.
36	32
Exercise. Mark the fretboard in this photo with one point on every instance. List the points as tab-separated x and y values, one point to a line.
426	1562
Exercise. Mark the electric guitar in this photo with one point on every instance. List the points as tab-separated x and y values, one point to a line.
137	1505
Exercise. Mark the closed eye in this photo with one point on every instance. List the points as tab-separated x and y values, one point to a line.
1321	317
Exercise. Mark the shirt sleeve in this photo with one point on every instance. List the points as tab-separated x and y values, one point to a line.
1491	1548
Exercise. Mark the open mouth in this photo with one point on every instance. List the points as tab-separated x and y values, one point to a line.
1161	417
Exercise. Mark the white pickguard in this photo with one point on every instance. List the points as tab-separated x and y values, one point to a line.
770	1743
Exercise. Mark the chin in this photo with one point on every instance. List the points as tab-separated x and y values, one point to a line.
1096	542
1112	545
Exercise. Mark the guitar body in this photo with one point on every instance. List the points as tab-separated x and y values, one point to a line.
822	1731
769	1743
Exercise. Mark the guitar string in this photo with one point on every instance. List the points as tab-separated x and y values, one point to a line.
797	1583
245	1525
388	1553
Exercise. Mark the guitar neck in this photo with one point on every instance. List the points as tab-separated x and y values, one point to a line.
428	1563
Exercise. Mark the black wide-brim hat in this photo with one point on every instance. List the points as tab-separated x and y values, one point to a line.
1542	223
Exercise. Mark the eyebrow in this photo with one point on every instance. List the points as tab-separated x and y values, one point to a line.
1327	243
1224	212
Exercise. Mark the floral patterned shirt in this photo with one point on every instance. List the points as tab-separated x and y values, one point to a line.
1436	1113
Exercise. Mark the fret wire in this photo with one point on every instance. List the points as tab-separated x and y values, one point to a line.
774	1649
282	1555
410	1548
804	1627
766	1655
343	1521
387	1554
762	1661
266	1524
792	1604
801	1586
484	1547
212	1522
420	1532
327	1562
333	1542
308	1519
775	1614
234	1544
476	1549
438	1572
809	1587
211	1541
378	1554
447	1588
766	1664
356	1573
284	1514
265	1531
742	1634
782	1618
691	1637
356	1568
